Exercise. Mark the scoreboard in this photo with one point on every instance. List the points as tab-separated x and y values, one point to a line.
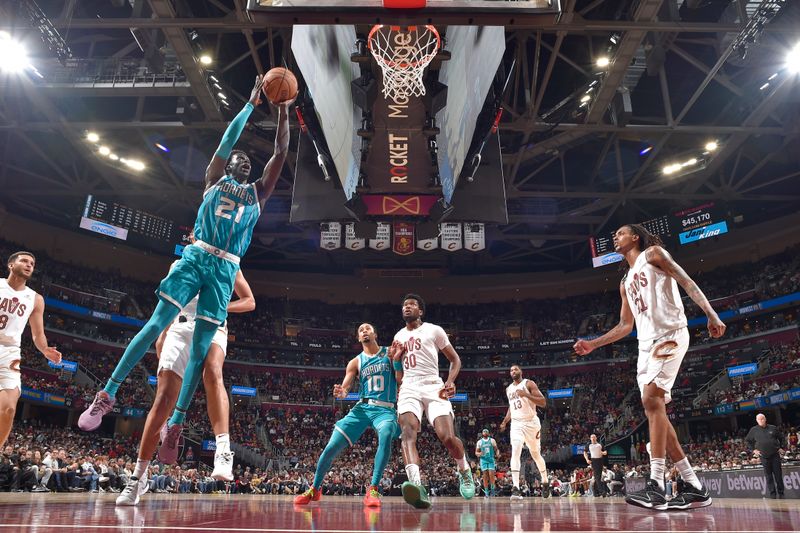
137	227
685	226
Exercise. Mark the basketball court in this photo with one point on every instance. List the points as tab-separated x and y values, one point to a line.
159	512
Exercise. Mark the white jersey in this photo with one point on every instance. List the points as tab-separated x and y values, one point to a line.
15	310
654	300
422	350
522	409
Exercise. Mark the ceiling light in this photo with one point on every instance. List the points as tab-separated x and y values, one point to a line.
4	35
113	157
162	147
763	86
793	59
205	59
217	86
585	98
669	169
135	164
92	137
602	61
104	150
711	146
646	150
690	162
213	78
13	56
222	95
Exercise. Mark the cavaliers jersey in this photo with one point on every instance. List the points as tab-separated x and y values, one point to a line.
654	300
377	377
522	409
15	310
486	446
422	350
228	215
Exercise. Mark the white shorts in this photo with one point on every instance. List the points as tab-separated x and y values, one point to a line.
527	431
175	352
660	359
422	396
10	376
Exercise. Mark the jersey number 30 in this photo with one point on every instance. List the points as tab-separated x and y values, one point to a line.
226	207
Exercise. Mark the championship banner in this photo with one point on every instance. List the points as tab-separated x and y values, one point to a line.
451	236
330	235
474	237
403	243
351	242
399	204
382	240
428	244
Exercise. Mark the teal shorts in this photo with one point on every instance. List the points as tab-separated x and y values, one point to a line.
488	465
363	416
200	272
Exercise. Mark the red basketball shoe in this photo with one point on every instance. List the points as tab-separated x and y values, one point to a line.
311	495
373	498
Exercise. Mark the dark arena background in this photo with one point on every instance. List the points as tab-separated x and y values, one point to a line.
486	165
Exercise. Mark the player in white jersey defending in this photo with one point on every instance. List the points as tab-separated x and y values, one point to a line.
651	299
523	398
424	393
19	304
173	347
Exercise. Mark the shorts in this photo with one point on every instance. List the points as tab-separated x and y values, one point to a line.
660	359
422	396
488	465
200	272
10	376
363	416
529	432
178	344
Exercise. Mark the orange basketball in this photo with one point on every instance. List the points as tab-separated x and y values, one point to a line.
279	85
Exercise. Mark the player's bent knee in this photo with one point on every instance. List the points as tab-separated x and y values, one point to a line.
8	411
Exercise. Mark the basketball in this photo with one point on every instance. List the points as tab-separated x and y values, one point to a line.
280	85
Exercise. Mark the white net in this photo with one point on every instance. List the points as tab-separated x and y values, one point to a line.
403	54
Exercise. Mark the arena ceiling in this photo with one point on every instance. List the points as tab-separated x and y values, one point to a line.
571	170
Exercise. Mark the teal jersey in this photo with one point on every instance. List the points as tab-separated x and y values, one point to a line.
377	377
228	215
487	450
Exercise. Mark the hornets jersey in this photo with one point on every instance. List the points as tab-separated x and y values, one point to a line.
377	377
487	449
228	215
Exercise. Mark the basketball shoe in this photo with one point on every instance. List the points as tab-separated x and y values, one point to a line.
516	494
223	466
689	497
132	491
652	497
372	498
546	489
466	484
311	495
92	417
415	495
168	451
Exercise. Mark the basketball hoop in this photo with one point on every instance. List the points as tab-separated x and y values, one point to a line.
403	55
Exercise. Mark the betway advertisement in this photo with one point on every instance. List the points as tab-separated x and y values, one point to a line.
749	483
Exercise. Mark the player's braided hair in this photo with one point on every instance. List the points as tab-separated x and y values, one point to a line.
646	240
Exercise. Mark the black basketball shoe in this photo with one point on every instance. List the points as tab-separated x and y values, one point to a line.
652	497
545	490
689	497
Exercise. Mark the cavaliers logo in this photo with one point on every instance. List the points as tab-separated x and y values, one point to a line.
665	350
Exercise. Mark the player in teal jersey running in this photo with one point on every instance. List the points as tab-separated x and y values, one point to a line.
379	370
223	228
486	448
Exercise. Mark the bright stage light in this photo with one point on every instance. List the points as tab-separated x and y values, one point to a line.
793	59
711	146
13	56
602	61
104	150
92	137
205	59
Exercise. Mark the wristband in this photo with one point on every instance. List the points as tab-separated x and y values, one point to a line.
397	365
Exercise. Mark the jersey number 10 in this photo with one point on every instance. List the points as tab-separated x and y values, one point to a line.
375	383
226	207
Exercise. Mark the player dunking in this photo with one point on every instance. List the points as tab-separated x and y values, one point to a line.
19	304
424	393
651	299
379	370
524	397
486	448
224	226
172	348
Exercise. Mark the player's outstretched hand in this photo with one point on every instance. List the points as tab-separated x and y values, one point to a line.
255	94
396	351
582	347
502	427
716	328
52	355
448	391
339	392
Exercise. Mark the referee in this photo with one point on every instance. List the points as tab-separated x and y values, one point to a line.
594	457
765	440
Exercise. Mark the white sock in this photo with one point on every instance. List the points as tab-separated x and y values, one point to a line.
223	442
687	473
463	464
141	468
515	477
657	469
413	474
